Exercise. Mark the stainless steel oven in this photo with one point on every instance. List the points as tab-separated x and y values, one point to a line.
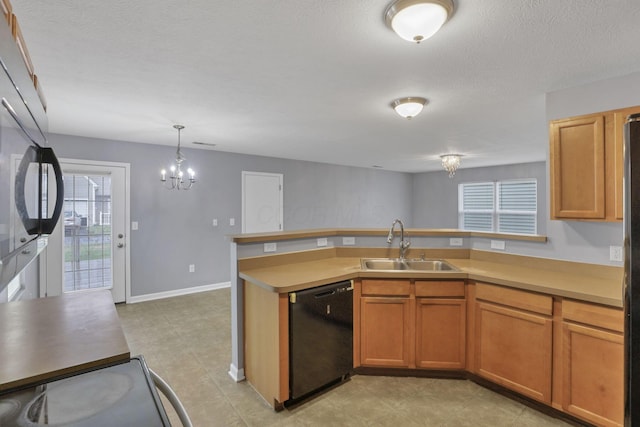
118	395
31	187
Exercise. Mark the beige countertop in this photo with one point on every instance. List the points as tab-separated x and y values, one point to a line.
575	283
48	337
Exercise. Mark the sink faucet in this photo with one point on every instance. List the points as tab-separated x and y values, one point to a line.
403	245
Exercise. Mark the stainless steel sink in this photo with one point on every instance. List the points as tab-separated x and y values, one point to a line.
387	264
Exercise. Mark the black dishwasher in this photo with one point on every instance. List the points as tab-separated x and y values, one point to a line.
320	337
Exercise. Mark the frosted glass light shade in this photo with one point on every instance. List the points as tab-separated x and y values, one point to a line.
417	20
409	107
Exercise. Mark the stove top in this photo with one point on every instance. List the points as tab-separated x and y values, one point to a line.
113	396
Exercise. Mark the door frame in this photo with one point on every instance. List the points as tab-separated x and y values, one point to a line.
127	222
280	177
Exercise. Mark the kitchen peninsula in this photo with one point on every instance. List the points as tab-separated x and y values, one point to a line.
46	338
519	322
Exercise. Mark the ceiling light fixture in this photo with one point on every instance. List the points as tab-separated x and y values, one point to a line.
417	20
409	107
450	163
177	175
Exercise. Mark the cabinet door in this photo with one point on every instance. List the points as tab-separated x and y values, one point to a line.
593	373
513	349
577	157
440	333
385	331
616	164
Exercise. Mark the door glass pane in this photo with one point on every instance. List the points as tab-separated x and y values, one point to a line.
87	232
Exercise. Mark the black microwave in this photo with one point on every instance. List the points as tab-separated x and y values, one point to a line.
31	186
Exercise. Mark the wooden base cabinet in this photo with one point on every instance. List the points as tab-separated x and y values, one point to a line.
593	368
513	340
440	325
413	324
386	323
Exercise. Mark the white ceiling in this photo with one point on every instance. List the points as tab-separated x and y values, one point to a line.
313	79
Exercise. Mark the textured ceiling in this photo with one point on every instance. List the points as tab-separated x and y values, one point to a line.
313	79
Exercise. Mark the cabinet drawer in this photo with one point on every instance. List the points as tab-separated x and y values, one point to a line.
524	300
592	314
439	288
386	287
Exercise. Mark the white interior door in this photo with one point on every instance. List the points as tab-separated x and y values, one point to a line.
88	249
262	202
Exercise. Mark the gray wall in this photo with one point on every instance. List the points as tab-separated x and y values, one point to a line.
435	195
175	227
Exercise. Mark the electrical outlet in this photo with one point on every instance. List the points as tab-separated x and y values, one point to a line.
615	253
270	247
215	222
322	241
455	241
498	244
192	268
348	241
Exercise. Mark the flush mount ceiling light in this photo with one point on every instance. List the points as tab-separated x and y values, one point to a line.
409	107
177	179
417	20
450	163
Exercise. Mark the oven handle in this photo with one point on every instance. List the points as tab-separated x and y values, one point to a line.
47	156
172	397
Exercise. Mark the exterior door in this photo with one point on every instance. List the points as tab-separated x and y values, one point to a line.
262	202
88	250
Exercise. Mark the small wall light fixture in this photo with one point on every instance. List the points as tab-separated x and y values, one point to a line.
409	107
450	163
417	20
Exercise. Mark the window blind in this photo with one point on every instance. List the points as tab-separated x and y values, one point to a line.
502	206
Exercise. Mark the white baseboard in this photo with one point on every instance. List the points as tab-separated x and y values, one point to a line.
236	374
178	292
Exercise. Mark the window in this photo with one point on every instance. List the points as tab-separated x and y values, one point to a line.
501	206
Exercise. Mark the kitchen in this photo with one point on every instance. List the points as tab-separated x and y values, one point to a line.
311	201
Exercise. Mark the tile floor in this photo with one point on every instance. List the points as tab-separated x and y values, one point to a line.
187	341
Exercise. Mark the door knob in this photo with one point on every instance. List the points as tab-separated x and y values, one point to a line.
120	236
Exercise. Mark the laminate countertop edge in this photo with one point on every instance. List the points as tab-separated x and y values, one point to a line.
45	338
298	276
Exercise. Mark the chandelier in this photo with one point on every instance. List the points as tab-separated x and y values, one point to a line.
177	180
450	163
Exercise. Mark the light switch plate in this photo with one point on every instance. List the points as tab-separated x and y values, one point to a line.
498	244
322	241
215	222
232	221
270	247
134	225
348	241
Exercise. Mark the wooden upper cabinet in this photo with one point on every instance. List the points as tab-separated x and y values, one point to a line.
586	164
578	168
